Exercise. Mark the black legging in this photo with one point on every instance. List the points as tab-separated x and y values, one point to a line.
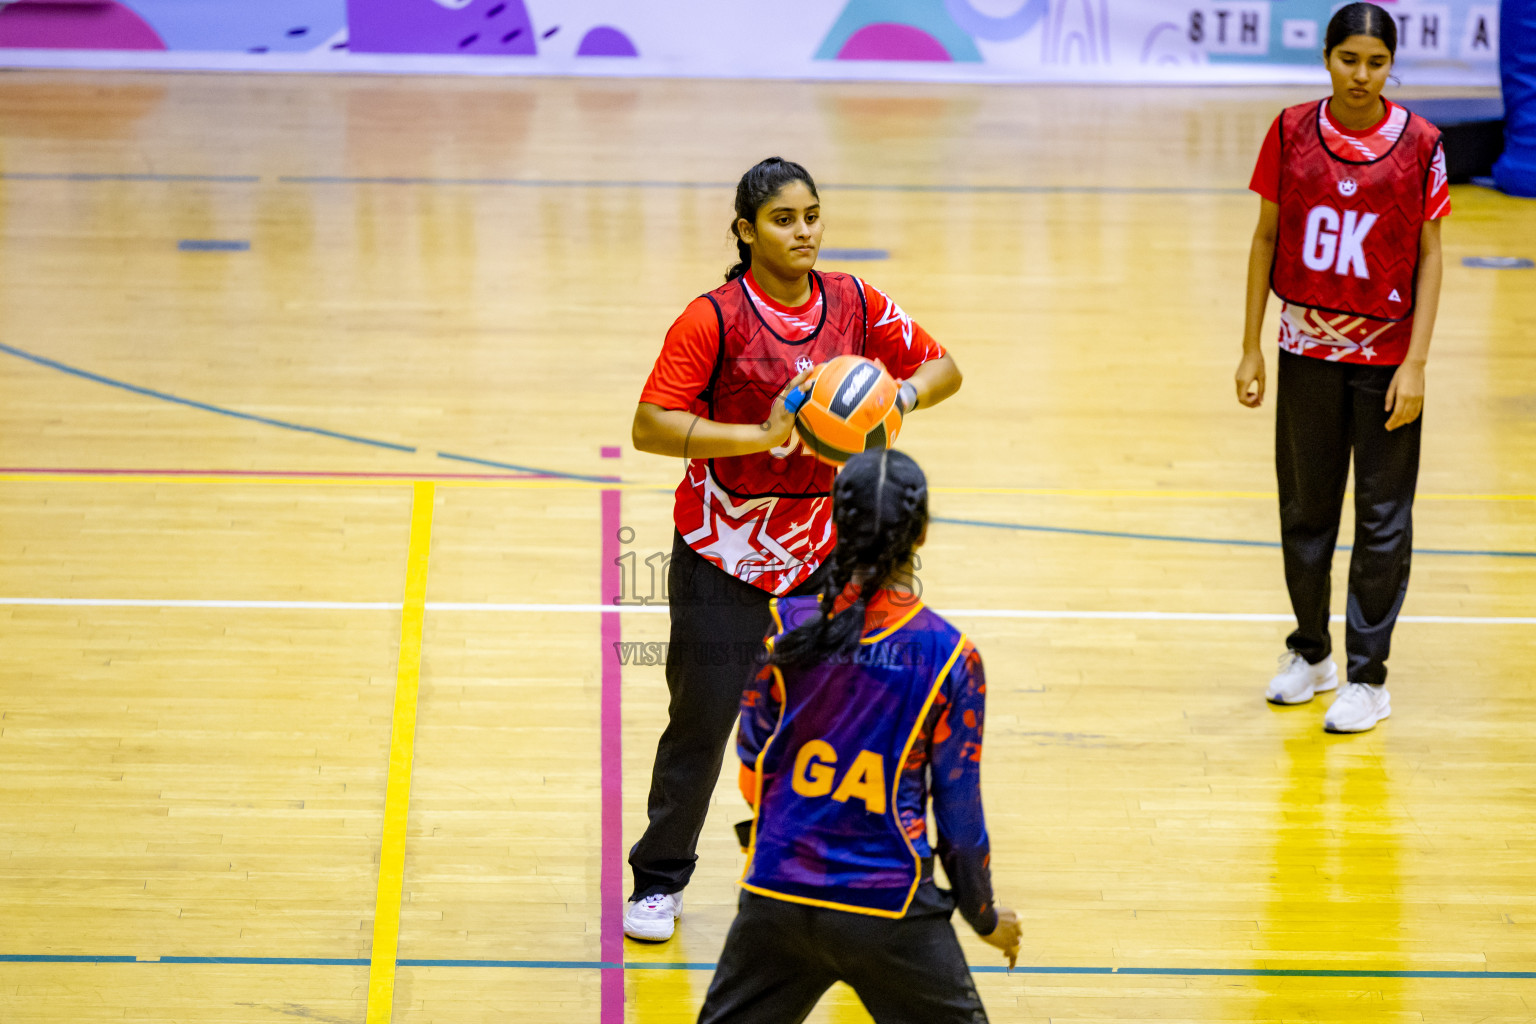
779	959
1323	412
718	626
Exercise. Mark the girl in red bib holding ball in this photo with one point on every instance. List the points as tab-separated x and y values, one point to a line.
754	509
1353	188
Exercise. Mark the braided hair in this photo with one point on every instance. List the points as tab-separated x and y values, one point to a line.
880	508
761	183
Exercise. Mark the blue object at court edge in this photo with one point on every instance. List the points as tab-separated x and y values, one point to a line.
1497	262
1515	171
212	245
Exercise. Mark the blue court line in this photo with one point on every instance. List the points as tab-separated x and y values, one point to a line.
213	245
1222	541
529	469
1051	190
327	179
54	364
854	254
86	176
1011	190
204	406
1174	972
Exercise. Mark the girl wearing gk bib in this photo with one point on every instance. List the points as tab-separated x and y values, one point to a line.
870	706
753	512
1353	188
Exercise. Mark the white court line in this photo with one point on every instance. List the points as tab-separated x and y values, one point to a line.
124	602
661	609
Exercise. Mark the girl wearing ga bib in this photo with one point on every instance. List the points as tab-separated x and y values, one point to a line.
869	711
1352	191
753	512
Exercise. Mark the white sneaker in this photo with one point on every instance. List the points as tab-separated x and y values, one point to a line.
652	918
1297	681
1358	708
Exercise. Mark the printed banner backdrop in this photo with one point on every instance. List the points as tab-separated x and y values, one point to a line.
1442	42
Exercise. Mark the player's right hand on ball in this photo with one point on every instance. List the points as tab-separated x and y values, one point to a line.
1006	935
780	420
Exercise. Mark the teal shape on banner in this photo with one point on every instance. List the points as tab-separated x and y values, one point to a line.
903	22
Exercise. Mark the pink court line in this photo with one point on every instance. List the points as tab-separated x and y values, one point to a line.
50	471
611	882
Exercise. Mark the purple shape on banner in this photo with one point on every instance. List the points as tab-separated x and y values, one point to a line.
886	40
606	41
485	27
30	24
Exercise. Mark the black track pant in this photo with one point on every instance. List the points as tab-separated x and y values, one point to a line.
718	626
1323	411
780	957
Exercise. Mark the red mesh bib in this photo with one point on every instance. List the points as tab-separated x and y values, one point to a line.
754	365
1348	239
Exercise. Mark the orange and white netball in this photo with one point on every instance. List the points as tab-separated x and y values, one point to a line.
850	407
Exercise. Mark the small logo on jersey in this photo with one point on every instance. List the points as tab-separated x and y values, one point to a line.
1394	296
803	364
1348	186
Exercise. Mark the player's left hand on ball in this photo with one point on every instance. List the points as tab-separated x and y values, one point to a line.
1405	395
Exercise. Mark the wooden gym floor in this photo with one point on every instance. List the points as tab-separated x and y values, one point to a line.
277	516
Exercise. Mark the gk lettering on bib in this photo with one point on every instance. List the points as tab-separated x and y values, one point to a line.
1348	237
1336	241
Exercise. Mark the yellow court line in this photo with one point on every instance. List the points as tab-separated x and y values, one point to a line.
402	749
585	485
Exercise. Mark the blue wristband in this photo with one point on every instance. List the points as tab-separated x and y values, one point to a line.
795	400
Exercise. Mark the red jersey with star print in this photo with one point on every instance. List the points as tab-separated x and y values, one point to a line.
1344	337
737	512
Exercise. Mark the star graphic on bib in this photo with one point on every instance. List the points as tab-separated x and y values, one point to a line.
734	535
733	544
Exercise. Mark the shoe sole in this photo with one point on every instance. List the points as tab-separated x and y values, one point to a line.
1328	685
1364	728
1279	702
640	937
646	938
